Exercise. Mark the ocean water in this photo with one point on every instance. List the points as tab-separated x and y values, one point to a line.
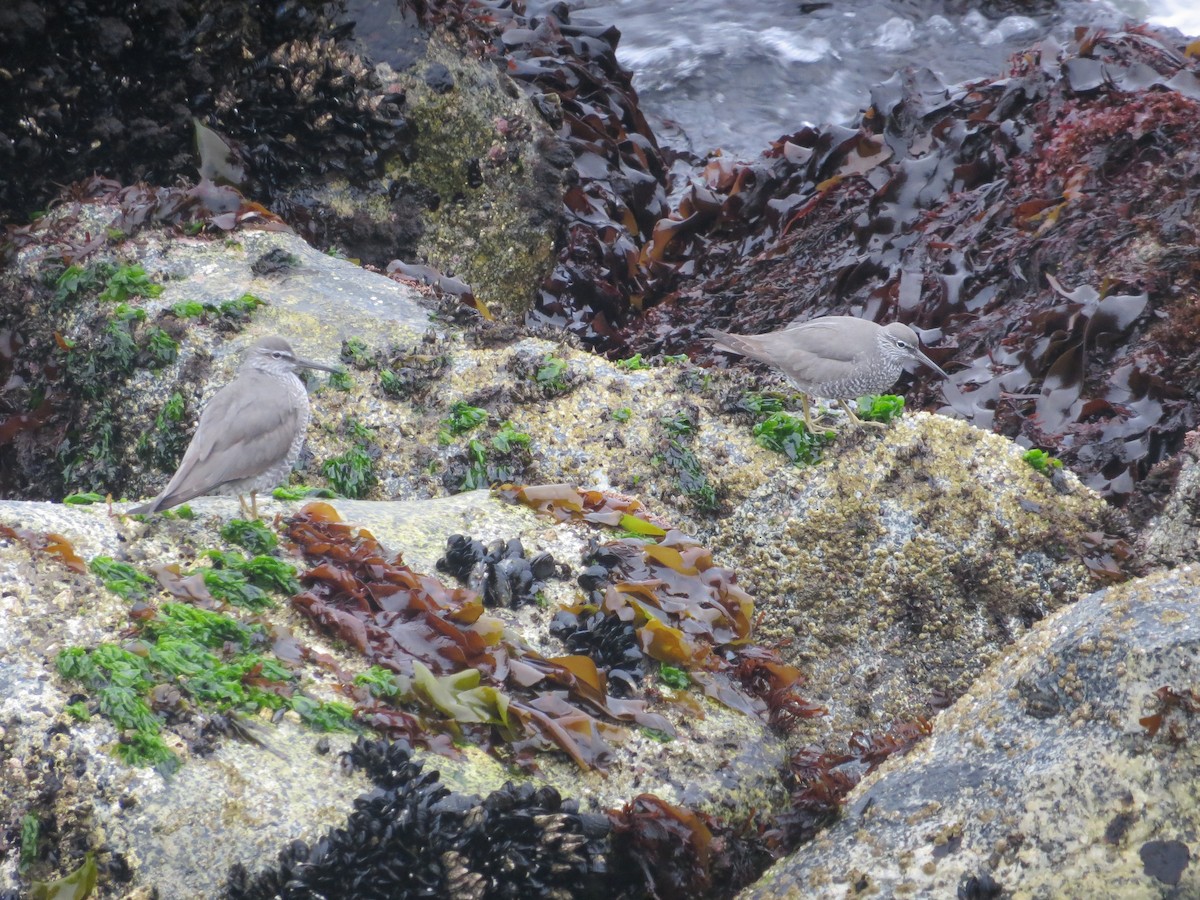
718	74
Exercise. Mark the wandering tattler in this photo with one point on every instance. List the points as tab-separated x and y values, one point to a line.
249	434
836	357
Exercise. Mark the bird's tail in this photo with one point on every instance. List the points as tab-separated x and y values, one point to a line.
743	345
145	509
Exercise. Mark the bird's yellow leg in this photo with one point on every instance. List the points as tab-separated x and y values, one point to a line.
808	422
856	420
807	416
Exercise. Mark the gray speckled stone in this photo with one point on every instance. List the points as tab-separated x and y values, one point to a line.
1042	777
1173	536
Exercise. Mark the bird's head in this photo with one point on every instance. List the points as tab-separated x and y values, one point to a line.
902	344
274	356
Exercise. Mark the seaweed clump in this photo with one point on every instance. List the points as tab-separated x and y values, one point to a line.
662	850
411	837
685	611
820	780
446	669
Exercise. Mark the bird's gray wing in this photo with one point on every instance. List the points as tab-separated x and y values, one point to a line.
241	434
836	339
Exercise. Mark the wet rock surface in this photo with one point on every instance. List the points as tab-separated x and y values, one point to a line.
387	433
745	621
1038	781
276	779
1172	535
905	563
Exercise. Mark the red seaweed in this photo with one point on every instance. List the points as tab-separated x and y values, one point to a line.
408	622
51	544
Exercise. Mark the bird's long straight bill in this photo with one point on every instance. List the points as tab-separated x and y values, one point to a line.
309	364
929	362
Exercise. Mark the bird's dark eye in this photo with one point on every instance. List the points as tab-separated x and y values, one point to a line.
277	355
903	345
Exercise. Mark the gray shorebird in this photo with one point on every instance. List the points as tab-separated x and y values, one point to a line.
836	357
250	433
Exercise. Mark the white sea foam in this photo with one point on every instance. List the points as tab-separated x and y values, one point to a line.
793	47
737	75
1181	14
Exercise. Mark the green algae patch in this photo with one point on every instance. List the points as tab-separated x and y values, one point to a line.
380	682
324	717
352	474
77	279
482	461
127	282
673	677
78	885
302	493
236	310
240	308
253	536
787	434
190	309
463	417
184	658
634	363
551	375
1041	461
761	404
164	445
689	475
84	499
880	408
356	353
122	578
31	828
265	572
234	588
341	381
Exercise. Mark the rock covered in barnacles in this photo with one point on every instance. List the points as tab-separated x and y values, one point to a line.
281	80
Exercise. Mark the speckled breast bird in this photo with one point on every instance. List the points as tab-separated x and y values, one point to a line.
836	357
249	435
